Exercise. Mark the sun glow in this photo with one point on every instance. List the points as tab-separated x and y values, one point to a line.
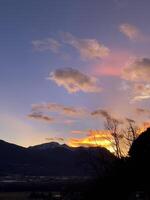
144	127
95	138
102	138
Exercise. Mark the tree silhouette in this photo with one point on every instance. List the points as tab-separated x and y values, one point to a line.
122	137
140	148
112	125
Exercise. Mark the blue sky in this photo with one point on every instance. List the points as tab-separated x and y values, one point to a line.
102	47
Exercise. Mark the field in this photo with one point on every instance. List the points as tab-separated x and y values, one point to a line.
29	195
14	196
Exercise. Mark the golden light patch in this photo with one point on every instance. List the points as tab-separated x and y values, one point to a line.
95	138
144	127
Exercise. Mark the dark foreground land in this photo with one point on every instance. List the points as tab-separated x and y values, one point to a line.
42	188
15	195
125	178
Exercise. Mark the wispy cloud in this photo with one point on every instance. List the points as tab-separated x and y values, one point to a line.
68	122
141	92
59	113
131	31
106	114
101	112
48	44
142	111
41	117
74	81
88	48
55	139
60	109
78	132
112	65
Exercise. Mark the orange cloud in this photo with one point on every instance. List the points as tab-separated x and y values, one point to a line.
103	138
78	132
95	138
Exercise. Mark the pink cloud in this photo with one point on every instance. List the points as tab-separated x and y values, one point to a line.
112	65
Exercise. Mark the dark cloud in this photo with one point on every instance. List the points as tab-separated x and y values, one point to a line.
101	112
106	114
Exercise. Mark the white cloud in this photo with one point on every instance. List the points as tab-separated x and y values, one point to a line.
138	70
88	48
74	81
48	44
137	73
141	92
130	31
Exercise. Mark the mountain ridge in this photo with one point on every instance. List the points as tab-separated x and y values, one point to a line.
50	159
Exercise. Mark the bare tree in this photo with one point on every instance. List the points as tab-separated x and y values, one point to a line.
122	137
113	126
122	133
131	132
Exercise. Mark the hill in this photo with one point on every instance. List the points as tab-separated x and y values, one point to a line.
52	159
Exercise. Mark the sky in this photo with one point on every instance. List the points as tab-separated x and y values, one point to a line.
67	64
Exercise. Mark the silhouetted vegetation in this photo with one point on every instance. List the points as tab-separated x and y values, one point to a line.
129	177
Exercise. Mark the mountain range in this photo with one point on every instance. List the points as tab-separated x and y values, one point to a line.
52	159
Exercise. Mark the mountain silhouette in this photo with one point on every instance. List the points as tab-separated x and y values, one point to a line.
52	159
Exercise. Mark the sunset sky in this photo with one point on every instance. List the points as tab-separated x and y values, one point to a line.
65	64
